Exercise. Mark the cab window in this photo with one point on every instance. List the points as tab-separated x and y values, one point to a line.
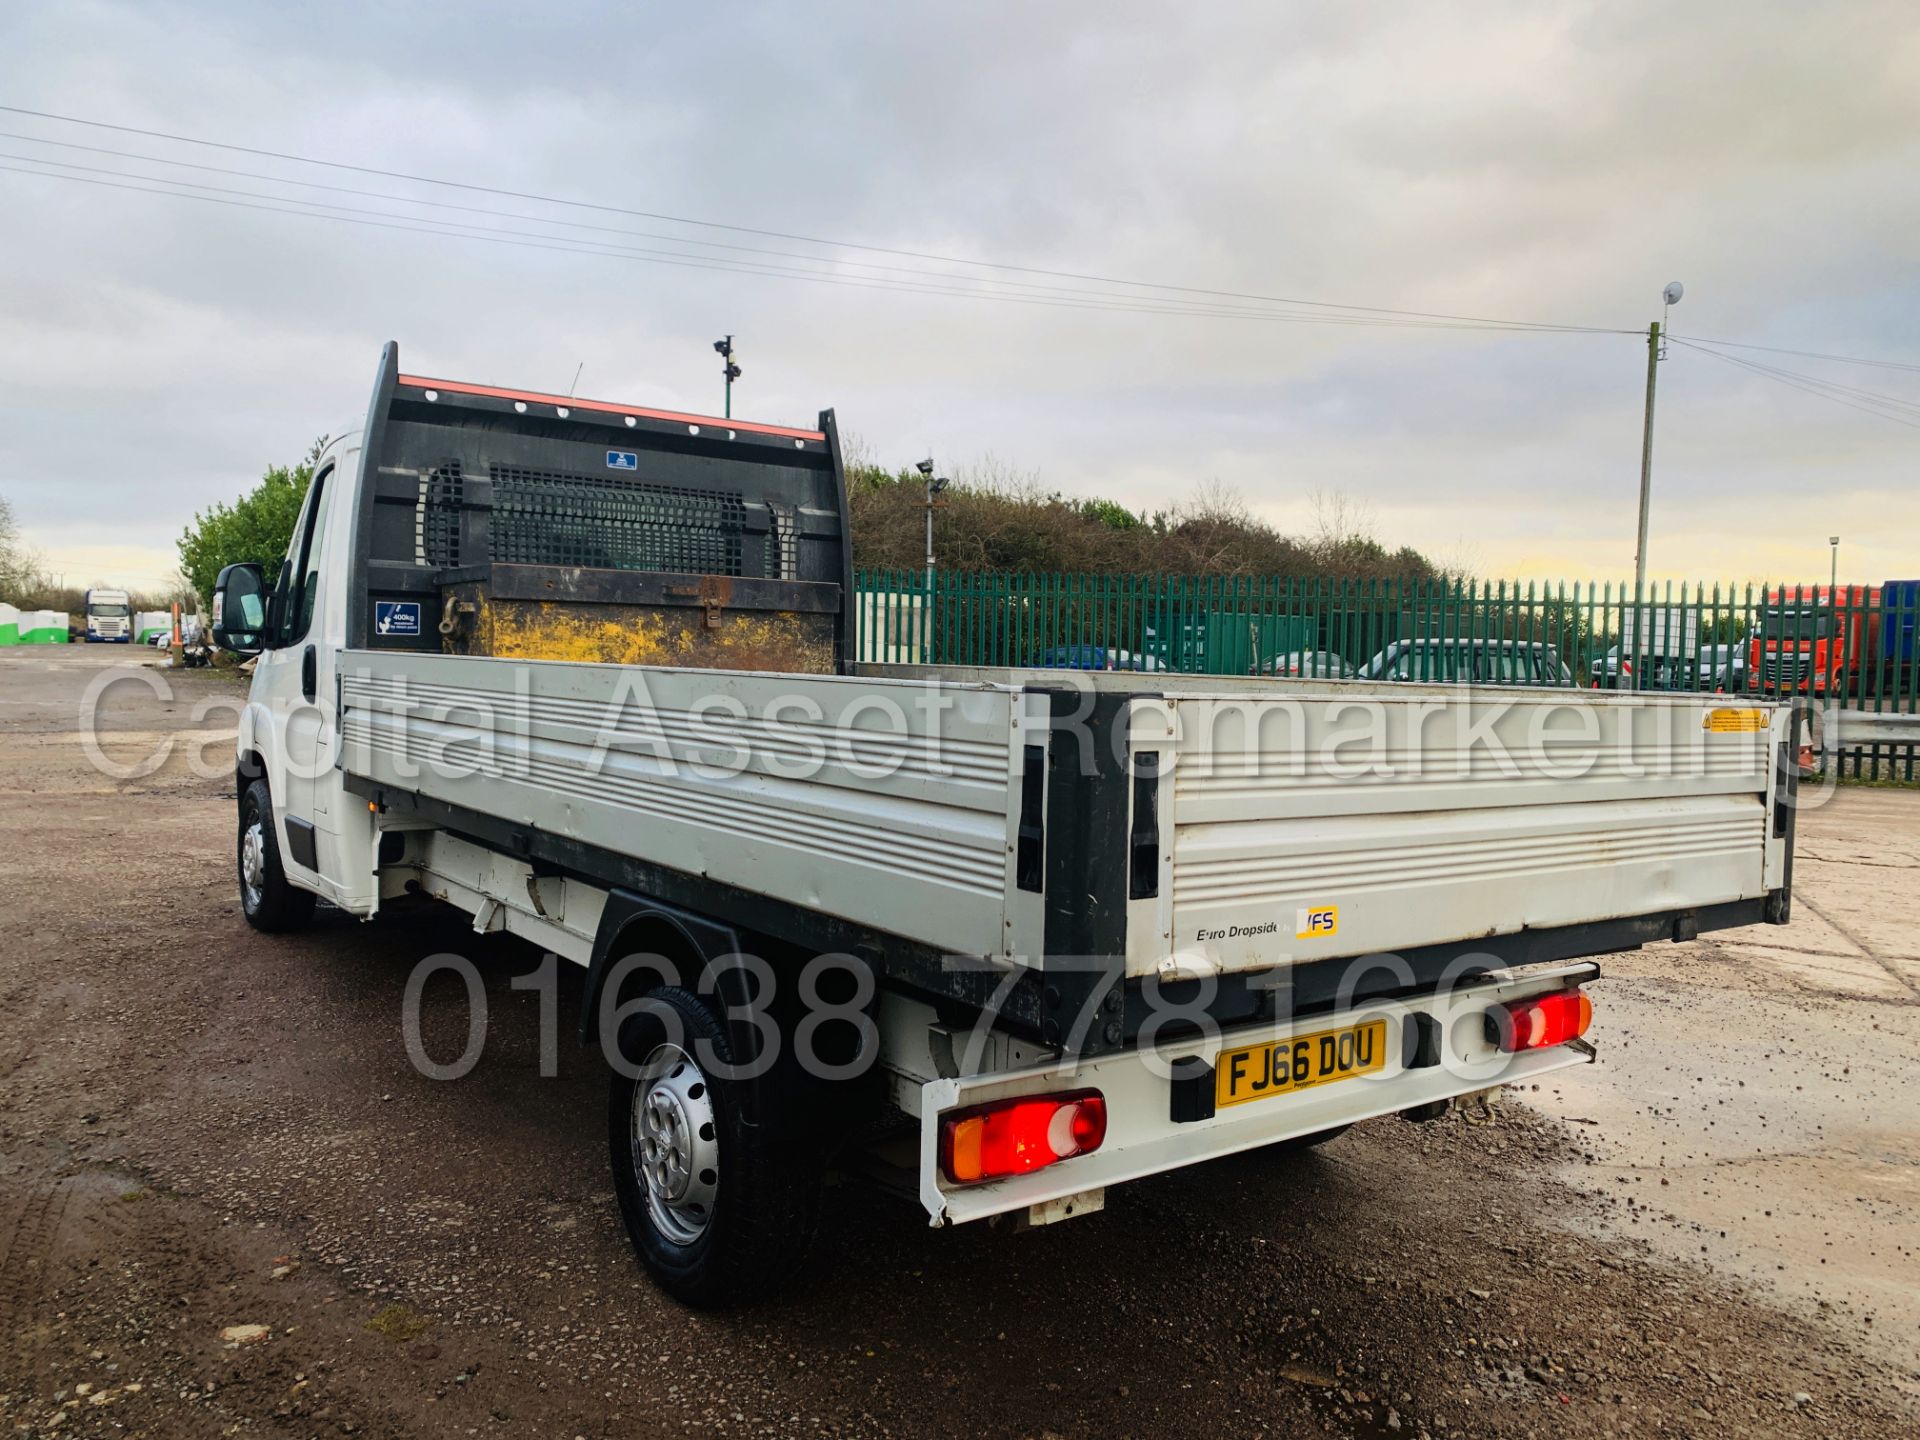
300	579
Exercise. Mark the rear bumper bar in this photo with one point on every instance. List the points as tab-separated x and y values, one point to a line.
1143	1137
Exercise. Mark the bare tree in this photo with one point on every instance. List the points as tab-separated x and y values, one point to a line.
1339	519
1214	502
9	537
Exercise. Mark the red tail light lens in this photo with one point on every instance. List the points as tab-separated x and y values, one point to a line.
1541	1022
1012	1137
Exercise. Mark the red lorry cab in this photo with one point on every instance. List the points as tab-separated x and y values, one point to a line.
1814	638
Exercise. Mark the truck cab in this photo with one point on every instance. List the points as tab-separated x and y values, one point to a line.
1813	640
288	728
109	616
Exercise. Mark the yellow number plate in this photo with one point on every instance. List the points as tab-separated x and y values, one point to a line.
1280	1067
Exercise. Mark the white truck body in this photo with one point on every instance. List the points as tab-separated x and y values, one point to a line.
894	802
1059	882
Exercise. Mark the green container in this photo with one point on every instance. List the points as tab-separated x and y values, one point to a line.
43	627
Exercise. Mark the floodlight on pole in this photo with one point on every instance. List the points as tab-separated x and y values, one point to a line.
935	484
729	372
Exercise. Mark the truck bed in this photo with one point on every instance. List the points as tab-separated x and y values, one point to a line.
1191	826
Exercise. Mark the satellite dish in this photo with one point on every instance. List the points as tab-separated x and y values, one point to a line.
1673	292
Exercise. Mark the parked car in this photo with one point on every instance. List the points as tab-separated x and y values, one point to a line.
1463	661
1078	657
1642	672
1722	668
1308	664
190	629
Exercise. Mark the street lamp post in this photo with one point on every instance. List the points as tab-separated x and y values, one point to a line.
1833	578
1656	352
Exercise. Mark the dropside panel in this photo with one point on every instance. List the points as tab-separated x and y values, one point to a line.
883	804
1306	828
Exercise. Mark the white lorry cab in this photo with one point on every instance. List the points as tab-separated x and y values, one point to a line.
1001	939
109	616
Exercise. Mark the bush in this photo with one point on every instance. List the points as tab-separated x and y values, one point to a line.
253	529
1002	521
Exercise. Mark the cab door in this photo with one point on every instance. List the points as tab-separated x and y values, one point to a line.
289	681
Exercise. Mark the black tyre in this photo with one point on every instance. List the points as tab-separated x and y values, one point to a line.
269	902
717	1202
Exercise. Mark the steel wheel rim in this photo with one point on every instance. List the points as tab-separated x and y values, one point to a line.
253	862
675	1144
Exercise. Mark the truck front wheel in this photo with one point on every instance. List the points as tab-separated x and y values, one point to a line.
267	900
717	1202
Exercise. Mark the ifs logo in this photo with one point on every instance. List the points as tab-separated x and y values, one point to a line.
1316	922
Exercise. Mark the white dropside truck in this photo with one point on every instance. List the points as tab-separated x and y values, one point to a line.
1005	939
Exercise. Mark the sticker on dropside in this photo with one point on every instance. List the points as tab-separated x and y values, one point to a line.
1316	922
1734	722
396	617
623	460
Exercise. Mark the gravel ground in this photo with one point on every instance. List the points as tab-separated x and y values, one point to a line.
202	1128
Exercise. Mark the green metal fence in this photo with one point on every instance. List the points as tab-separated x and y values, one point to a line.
1854	646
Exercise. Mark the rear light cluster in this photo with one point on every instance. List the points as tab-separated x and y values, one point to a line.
1013	1137
1541	1022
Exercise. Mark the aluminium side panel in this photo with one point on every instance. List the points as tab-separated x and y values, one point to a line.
1308	828
885	803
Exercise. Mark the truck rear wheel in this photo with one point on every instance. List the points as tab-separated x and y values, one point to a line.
718	1205
267	900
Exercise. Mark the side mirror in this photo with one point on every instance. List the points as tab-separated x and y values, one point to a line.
240	609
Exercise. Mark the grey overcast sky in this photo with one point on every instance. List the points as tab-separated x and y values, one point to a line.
1527	160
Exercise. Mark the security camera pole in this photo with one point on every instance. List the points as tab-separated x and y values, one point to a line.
1656	352
934	486
729	371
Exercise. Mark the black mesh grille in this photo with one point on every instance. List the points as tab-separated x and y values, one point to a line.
436	526
544	517
783	536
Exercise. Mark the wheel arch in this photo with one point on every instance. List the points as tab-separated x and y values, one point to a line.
635	924
249	767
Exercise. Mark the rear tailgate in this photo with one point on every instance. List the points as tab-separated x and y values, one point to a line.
1343	821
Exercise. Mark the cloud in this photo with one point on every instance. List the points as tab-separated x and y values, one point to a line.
1541	162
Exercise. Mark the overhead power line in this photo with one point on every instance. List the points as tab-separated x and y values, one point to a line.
427	225
1804	354
1887	407
312	210
1142	303
1188	290
1122	295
